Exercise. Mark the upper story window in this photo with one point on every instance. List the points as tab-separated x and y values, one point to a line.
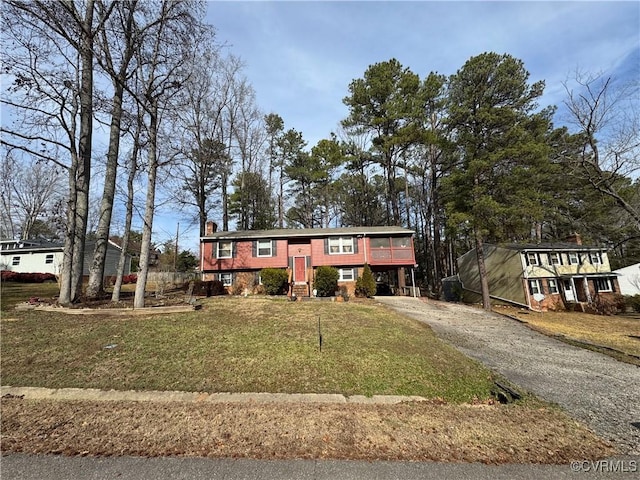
225	250
574	258
48	259
380	242
339	245
265	248
533	259
15	261
401	242
595	258
554	258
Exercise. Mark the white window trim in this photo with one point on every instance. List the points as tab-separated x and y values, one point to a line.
538	286
532	256
577	256
342	243
218	249
343	279
554	256
226	275
553	281
15	261
48	259
595	256
258	247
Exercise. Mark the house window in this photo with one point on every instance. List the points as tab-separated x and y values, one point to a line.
339	245
48	259
15	261
595	258
224	250
574	258
346	275
534	287
265	248
532	258
554	258
553	285
603	285
226	279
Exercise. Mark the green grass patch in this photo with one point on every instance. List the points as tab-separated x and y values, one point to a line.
242	345
12	293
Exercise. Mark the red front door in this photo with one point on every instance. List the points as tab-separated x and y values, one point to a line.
299	269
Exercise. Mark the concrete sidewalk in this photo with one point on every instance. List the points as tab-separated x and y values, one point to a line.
92	394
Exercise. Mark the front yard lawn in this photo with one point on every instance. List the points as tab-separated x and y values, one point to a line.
241	345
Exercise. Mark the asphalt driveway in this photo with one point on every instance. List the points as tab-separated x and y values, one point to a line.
595	389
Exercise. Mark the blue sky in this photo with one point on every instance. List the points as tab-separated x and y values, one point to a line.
301	56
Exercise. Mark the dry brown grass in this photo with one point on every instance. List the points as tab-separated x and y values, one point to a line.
618	332
424	431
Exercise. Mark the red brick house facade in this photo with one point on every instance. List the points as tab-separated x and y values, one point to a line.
236	258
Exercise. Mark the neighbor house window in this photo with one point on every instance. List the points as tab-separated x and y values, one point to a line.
48	259
595	258
15	261
574	258
534	287
265	248
603	285
554	258
224	250
553	285
532	258
226	279
346	275
340	245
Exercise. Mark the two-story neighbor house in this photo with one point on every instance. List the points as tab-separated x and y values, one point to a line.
238	257
541	276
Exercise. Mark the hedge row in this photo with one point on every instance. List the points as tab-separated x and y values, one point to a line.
9	276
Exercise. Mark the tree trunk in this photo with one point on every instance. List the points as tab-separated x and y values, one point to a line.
115	296
145	248
95	287
482	269
73	263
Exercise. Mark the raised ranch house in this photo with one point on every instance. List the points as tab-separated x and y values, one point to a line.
30	256
542	276
236	258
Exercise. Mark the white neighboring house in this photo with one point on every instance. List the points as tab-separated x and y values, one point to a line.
629	279
30	256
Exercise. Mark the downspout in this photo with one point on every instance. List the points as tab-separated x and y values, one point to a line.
201	260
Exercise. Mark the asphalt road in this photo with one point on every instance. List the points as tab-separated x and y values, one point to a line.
28	467
597	390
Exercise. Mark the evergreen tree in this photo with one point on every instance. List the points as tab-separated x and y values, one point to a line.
501	144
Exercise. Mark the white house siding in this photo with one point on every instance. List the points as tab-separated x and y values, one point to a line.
629	279
32	262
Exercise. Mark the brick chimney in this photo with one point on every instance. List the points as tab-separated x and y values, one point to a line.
575	238
211	228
